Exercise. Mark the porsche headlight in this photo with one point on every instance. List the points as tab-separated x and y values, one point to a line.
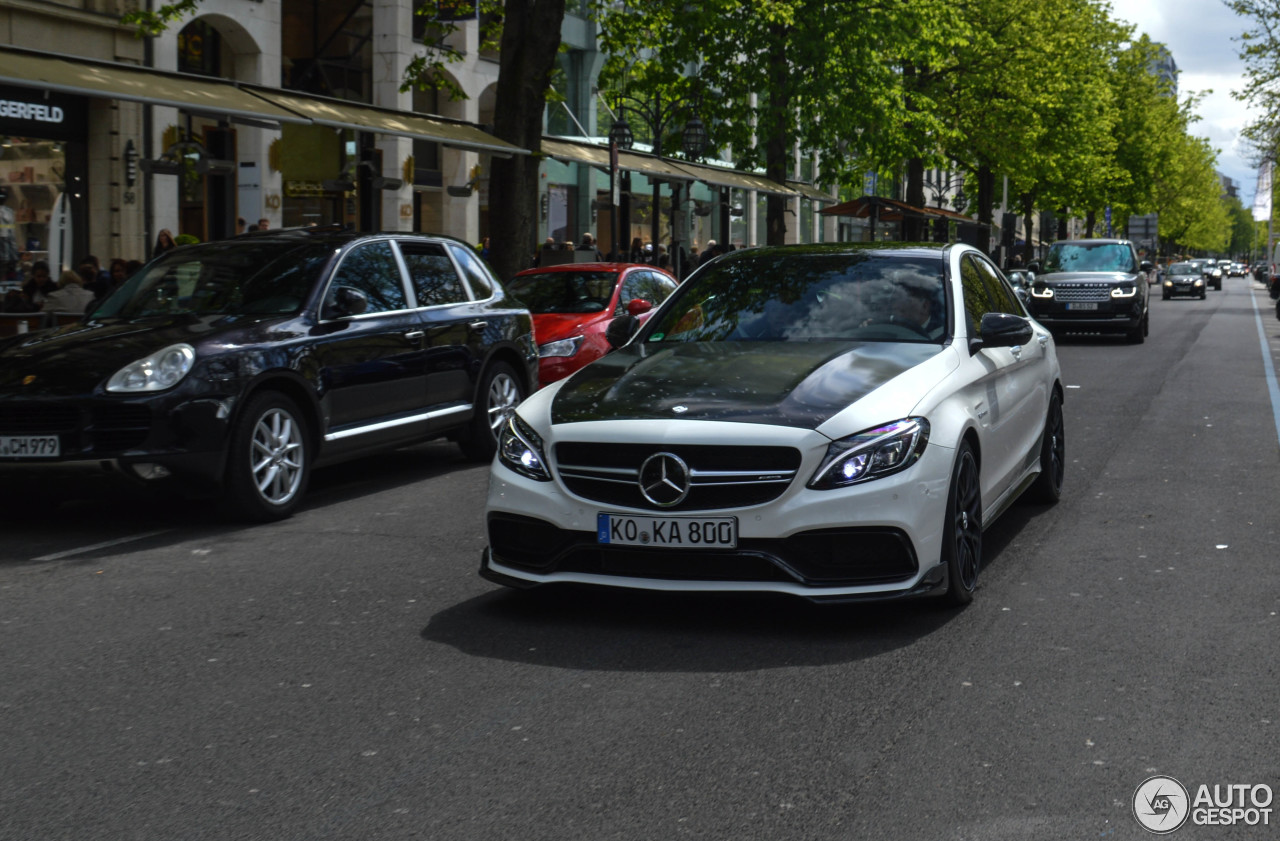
520	449
872	454
157	372
563	347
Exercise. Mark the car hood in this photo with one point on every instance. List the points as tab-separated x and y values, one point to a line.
79	358
801	384
552	327
1085	277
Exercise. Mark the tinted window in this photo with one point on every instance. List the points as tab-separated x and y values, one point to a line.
432	275
1001	295
977	303
774	296
372	269
1090	257
477	275
647	286
580	292
232	278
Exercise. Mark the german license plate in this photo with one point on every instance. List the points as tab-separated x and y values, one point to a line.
30	446
683	532
1086	305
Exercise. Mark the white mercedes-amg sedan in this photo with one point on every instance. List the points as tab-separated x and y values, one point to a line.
839	422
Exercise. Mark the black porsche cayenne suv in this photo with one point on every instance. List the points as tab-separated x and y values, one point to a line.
233	368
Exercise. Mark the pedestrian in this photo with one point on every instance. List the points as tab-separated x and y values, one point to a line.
589	244
708	253
264	224
71	295
164	243
636	254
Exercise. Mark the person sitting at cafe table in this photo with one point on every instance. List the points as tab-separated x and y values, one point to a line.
71	295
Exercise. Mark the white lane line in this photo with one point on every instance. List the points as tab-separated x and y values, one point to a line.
1269	368
57	556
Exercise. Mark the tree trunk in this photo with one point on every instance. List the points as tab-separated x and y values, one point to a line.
914	228
1090	219
777	128
1028	212
1062	223
530	41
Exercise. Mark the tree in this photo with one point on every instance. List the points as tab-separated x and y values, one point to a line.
786	75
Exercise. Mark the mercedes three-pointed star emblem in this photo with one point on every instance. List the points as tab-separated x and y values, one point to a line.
664	479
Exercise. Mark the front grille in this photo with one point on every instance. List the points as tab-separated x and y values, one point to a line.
821	558
1082	292
119	428
721	476
38	418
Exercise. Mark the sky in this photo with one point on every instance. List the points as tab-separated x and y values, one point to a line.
1201	35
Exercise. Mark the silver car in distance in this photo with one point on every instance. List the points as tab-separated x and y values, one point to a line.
838	422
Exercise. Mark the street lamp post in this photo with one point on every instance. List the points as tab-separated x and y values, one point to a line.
657	118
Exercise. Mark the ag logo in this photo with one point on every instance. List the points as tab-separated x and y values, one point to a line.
1161	805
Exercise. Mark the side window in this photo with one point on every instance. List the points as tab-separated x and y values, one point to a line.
999	291
432	274
976	302
372	269
477	275
647	286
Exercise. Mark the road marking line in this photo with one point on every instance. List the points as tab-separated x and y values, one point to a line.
57	556
1267	365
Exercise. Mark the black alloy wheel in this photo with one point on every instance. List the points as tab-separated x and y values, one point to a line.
1047	488
500	392
269	462
962	532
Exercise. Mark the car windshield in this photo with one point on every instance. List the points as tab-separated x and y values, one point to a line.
809	297
1183	269
227	278
567	292
1089	257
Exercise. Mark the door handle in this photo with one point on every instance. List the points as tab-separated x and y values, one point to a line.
1044	340
414	334
478	325
1016	350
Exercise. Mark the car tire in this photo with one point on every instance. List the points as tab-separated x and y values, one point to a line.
1138	334
1047	488
962	531
1166	296
1204	294
269	459
501	390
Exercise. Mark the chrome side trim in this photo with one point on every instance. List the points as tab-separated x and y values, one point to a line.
377	427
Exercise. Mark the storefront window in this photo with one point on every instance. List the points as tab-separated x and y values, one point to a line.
32	178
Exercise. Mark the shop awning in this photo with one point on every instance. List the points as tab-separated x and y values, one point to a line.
721	176
230	100
581	153
341	113
197	94
811	192
887	210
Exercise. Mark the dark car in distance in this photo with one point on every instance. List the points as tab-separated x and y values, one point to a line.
1184	279
233	368
1093	286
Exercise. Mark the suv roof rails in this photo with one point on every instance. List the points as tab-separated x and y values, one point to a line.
329	228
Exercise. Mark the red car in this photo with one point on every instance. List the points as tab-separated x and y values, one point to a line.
573	303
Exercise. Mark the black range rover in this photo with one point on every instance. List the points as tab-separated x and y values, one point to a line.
1092	286
234	367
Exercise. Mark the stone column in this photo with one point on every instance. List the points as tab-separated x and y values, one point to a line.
392	52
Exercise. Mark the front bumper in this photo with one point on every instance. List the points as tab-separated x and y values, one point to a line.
878	540
1114	315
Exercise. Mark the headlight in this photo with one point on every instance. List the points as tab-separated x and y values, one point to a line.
1041	291
872	454
520	448
1199	282
162	369
1170	282
564	347
1126	291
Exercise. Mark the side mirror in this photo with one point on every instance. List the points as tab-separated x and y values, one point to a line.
1034	267
1146	266
638	306
347	301
1002	329
620	330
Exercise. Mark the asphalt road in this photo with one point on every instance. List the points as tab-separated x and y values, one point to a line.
347	675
